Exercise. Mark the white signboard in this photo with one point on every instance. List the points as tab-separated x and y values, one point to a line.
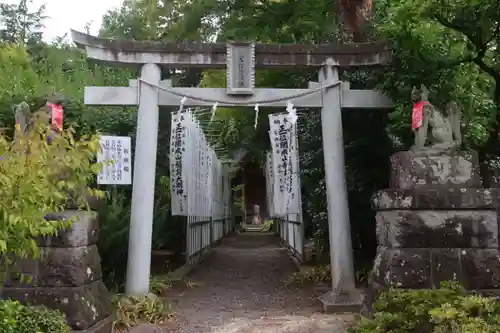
115	152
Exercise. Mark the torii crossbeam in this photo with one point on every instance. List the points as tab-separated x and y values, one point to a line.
215	55
240	59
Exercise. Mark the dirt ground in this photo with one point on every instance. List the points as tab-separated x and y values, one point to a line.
242	290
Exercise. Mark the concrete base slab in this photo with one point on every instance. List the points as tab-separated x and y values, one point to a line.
350	301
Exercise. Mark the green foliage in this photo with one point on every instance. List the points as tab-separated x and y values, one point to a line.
114	221
160	284
132	310
30	72
167	229
448	309
451	47
17	318
41	319
37	178
239	203
9	316
20	24
16	64
311	275
267	226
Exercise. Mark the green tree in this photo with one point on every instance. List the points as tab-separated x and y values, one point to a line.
40	182
452	47
20	25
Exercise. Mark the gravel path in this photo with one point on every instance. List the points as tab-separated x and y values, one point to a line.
241	290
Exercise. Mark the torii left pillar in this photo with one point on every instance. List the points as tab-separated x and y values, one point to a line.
143	187
344	296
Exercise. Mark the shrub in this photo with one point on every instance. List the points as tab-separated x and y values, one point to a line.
160	283
17	318
132	310
268	225
311	275
38	178
9	316
449	309
114	224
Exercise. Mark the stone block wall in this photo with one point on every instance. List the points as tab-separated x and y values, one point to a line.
409	171
67	276
436	224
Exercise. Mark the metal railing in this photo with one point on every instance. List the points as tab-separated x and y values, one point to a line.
291	233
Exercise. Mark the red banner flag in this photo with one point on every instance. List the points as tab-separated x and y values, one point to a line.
417	115
57	116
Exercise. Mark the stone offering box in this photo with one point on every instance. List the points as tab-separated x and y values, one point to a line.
436	223
67	276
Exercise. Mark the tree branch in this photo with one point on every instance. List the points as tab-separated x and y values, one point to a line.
481	48
479	60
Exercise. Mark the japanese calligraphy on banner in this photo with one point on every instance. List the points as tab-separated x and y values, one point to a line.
284	165
177	157
279	129
116	155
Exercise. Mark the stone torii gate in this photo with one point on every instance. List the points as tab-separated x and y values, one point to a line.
241	59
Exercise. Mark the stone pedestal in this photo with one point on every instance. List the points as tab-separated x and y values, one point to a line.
66	277
436	224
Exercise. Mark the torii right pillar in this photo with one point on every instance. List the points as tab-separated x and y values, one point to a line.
344	296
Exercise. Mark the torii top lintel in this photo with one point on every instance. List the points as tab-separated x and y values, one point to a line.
214	55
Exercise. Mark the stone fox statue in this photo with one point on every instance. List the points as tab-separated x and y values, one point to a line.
52	112
444	126
22	115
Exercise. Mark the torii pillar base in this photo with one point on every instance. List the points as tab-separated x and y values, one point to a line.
347	301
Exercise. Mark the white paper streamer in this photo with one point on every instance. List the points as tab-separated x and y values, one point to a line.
292	113
256	108
214	109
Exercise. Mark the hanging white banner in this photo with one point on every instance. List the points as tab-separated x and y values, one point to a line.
295	205
269	184
178	159
197	176
193	168
279	140
285	165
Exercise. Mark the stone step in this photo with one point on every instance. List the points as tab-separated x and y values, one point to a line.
253	229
